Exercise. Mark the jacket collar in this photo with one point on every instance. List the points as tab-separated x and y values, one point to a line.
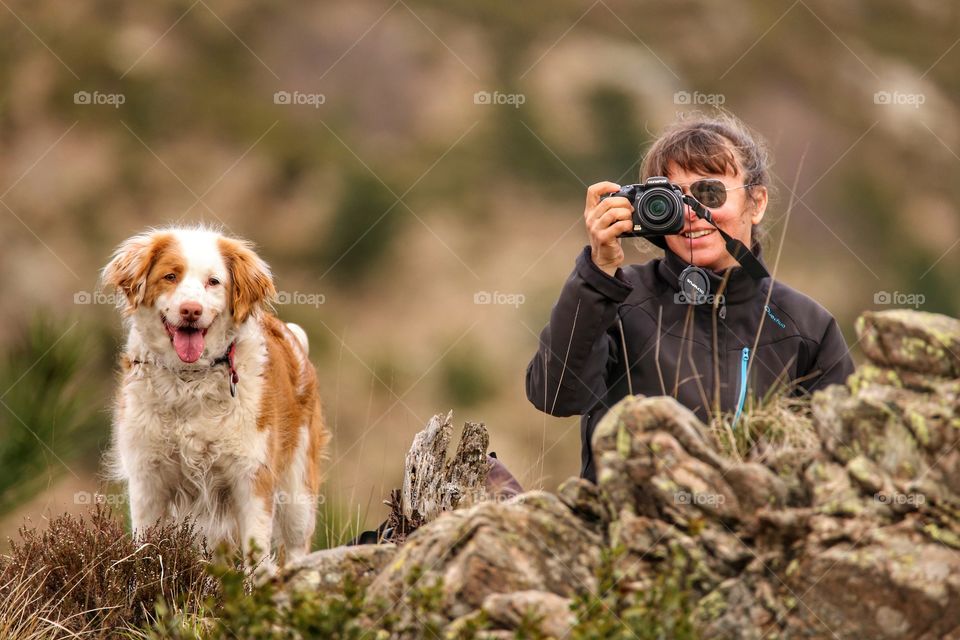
740	286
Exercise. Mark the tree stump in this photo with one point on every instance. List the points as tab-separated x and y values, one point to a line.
431	483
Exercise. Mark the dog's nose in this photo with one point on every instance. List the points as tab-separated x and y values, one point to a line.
191	311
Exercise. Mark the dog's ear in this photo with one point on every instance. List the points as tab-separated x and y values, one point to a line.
127	271
251	284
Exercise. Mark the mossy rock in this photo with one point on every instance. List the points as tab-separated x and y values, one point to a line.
911	340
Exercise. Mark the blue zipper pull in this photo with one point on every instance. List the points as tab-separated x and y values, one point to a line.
744	359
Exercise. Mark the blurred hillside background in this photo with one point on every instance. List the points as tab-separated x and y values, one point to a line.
401	163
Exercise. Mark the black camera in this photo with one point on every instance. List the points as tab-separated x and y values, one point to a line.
658	207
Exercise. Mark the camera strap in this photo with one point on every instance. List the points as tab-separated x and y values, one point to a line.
735	248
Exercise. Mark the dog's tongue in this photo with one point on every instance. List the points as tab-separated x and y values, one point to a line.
189	344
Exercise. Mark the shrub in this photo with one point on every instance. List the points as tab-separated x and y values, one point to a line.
663	609
90	576
256	610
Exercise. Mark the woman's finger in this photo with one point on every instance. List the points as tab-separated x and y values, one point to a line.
606	205
598	189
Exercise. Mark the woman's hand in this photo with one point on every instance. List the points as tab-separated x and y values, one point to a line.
606	220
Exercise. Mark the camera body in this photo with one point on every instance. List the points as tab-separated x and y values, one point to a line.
658	207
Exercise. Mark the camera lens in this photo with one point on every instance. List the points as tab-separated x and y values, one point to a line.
660	211
656	208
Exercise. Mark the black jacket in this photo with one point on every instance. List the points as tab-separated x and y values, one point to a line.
580	368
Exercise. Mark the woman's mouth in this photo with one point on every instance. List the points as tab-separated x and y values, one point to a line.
700	233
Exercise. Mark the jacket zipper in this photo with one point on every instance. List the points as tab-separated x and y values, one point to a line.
745	357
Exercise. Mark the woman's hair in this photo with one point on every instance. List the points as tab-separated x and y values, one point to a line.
712	144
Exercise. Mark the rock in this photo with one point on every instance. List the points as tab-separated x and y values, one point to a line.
654	459
788	465
842	521
911	340
531	542
868	475
832	490
588	502
907	435
637	414
756	486
550	612
714	553
326	571
735	609
892	582
854	534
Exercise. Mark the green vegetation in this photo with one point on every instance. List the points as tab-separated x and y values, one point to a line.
363	228
663	608
51	407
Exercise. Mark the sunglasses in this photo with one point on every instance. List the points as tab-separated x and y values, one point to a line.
711	193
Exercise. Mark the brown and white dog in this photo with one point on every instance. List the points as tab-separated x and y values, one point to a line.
217	417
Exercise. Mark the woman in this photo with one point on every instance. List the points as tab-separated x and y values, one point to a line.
620	329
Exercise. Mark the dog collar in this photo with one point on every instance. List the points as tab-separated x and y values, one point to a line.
227	358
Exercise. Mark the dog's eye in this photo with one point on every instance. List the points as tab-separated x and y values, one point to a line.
170	277
213	281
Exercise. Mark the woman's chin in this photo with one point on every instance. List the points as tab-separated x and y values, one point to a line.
711	257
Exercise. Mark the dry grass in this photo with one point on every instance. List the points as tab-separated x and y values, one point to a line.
774	425
87	578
